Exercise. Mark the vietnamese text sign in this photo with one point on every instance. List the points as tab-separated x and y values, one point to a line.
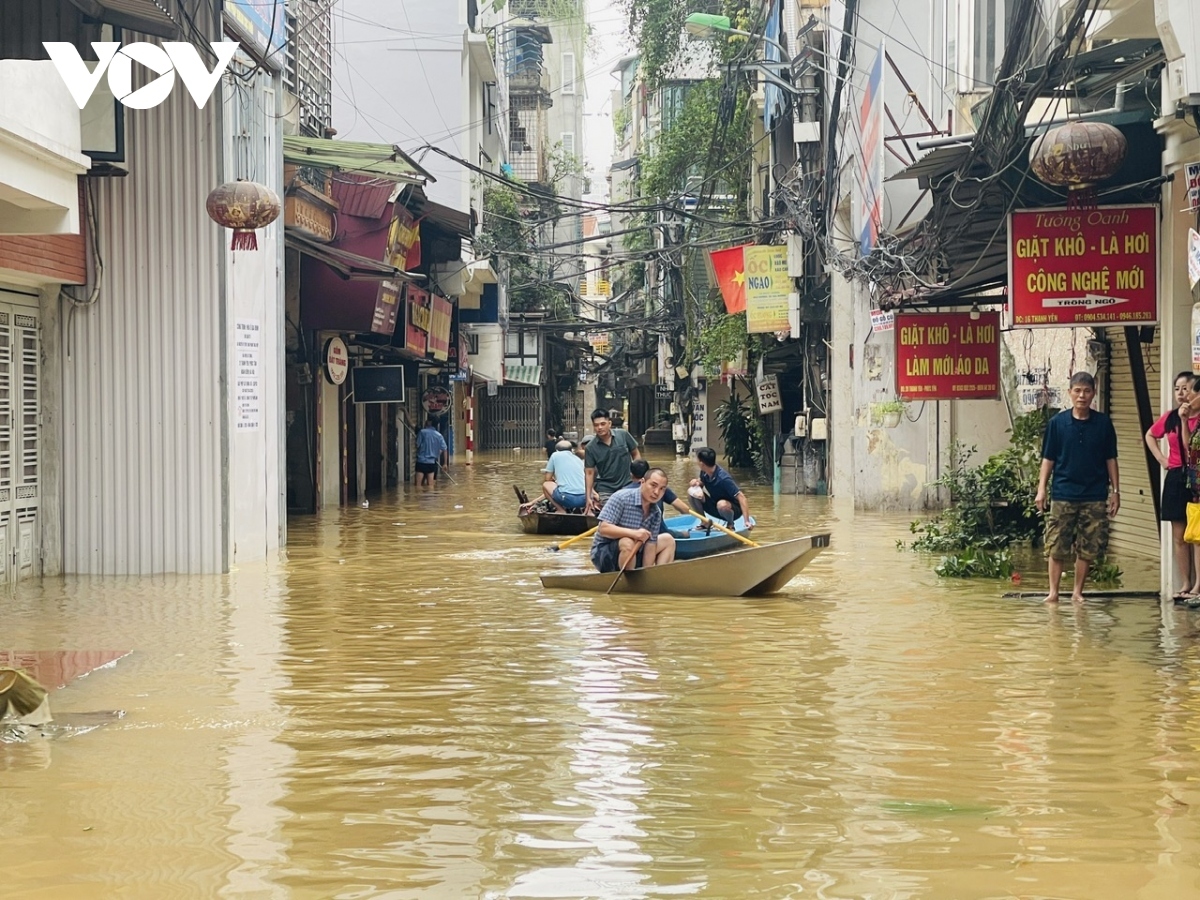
387	308
1193	258
1192	173
882	320
1083	266
768	394
767	288
416	333
249	374
948	356
441	312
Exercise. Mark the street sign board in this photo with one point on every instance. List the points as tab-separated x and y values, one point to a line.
948	356
1083	266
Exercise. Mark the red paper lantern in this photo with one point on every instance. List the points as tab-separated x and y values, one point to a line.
243	206
1076	156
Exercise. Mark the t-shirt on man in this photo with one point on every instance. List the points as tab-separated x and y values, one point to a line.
611	461
567	469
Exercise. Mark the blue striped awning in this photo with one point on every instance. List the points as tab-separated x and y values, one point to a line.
522	374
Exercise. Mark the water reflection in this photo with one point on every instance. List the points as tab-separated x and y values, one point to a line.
399	710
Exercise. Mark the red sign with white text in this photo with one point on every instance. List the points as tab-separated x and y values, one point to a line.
1083	266
948	356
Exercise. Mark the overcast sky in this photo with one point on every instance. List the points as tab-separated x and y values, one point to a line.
607	46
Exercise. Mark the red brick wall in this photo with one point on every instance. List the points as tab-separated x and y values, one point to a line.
56	257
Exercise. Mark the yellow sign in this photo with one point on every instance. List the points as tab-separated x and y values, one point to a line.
767	289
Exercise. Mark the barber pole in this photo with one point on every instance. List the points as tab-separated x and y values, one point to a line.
470	405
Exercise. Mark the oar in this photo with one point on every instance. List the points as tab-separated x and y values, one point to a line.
632	557
578	537
717	525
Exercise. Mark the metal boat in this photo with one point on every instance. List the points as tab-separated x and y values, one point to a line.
749	572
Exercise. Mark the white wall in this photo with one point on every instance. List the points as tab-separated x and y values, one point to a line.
40	155
253	333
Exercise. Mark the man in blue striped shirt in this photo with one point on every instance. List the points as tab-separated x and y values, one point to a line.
628	534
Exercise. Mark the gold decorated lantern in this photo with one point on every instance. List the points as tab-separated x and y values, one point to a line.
1076	156
243	206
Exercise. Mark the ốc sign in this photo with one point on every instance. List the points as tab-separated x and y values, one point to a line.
948	356
1083	266
165	61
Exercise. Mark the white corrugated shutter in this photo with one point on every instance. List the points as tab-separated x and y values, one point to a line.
1135	531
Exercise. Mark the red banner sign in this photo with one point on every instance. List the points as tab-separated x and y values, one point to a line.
1083	266
416	332
948	356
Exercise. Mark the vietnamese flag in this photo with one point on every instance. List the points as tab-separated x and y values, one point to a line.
729	272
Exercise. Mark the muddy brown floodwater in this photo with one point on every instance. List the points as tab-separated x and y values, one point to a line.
398	709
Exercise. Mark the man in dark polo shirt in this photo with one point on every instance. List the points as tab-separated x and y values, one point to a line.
1080	449
606	461
722	496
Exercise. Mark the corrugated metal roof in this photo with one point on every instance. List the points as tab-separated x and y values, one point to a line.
936	162
148	16
384	160
365	198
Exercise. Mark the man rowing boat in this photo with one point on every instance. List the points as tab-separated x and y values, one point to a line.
628	535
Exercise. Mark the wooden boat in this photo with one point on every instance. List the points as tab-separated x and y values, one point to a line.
749	572
700	544
557	523
537	520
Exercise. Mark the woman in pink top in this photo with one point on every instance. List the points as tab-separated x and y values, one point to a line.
1175	491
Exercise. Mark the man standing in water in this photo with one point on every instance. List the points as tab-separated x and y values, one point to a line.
431	452
1080	449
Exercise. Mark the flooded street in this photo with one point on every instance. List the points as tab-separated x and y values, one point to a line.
400	710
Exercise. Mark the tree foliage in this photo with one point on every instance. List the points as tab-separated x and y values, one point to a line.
507	235
707	139
656	27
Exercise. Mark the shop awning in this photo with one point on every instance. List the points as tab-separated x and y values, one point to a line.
350	266
386	160
522	374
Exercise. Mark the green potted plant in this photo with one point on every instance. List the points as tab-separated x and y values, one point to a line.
890	412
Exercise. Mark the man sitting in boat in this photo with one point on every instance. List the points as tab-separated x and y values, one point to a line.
719	493
628	535
564	484
638	469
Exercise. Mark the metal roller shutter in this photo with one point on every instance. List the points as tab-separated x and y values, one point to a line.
1135	531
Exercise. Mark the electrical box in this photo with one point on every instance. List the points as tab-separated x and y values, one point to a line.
819	430
801	429
679	432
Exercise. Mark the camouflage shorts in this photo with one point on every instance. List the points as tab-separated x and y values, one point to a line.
1077	530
